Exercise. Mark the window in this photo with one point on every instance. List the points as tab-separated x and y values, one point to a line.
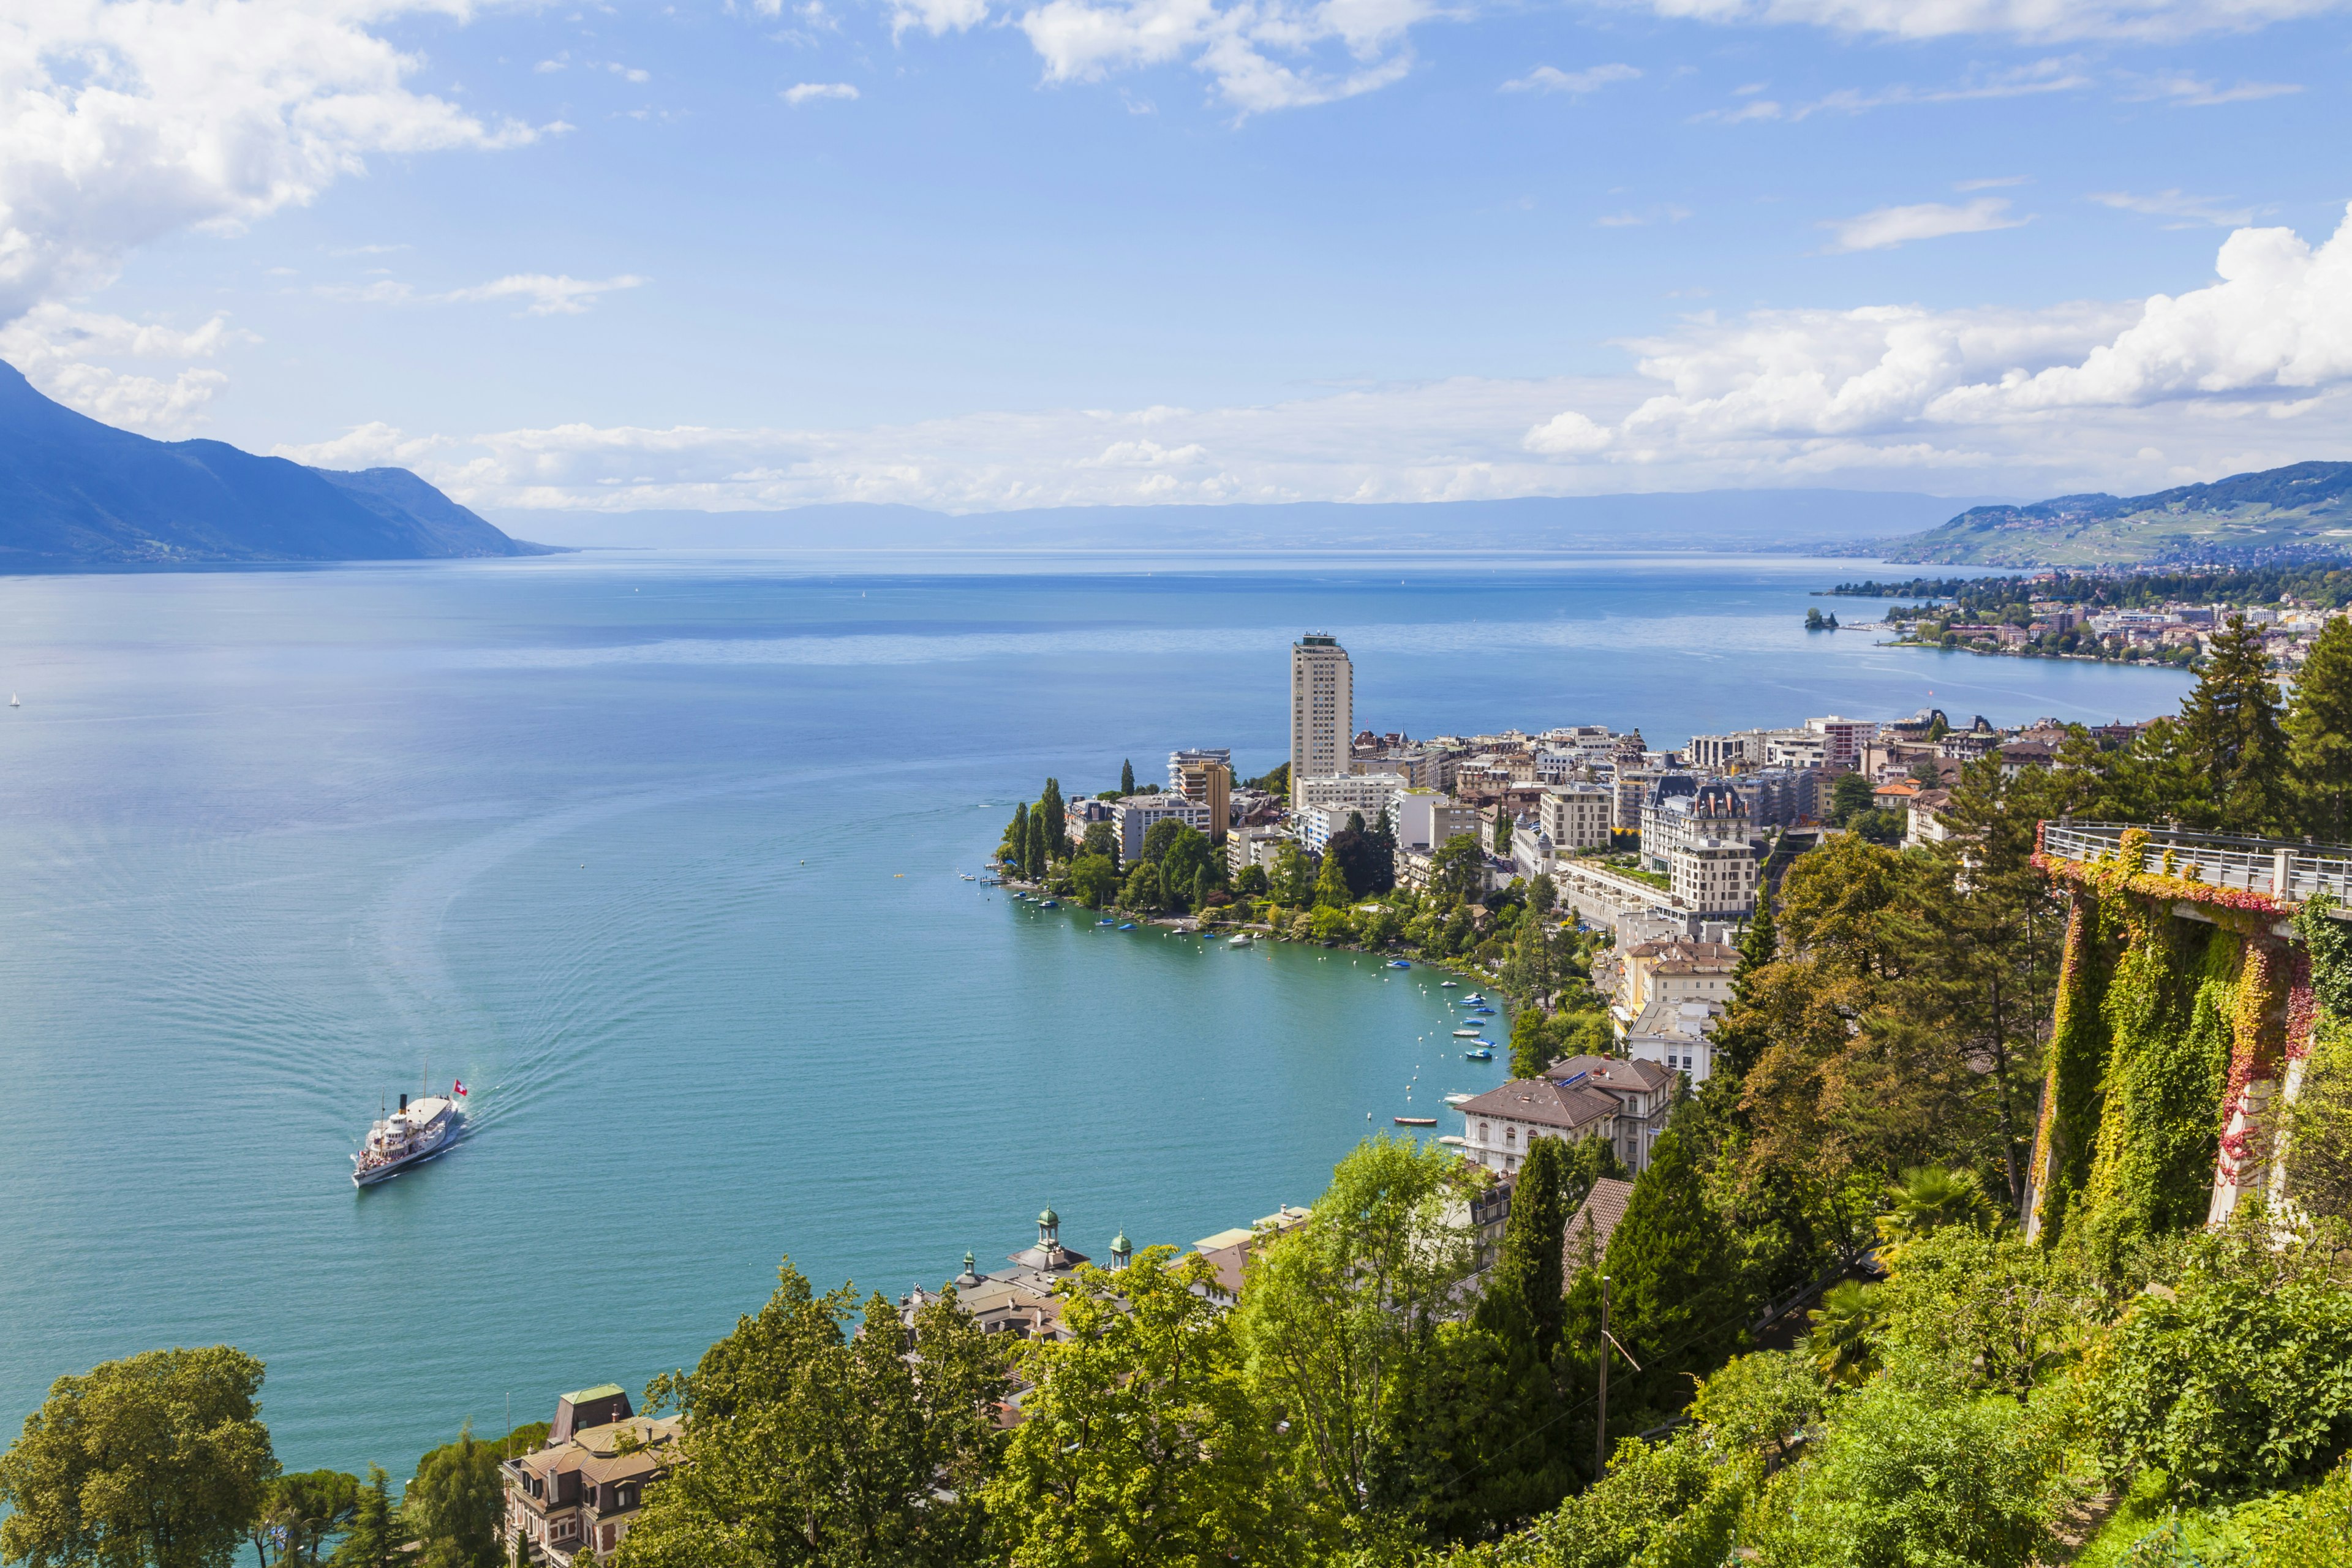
1510	1135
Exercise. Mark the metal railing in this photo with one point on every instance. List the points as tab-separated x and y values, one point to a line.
2283	869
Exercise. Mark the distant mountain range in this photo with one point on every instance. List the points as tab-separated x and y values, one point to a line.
77	496
1831	521
2299	513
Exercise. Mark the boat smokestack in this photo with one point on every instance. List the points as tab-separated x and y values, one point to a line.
403	1102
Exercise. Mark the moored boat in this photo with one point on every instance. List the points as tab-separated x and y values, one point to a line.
1482	1054
1466	1033
419	1130
1414	1121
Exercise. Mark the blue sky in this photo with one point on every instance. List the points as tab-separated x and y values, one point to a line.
971	254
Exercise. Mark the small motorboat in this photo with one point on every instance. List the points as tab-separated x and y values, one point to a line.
1051	904
1448	985
967	876
1460	1098
1467	1034
1127	925
1398	963
1241	941
1483	1045
1106	922
1414	1121
1482	1054
1474	1000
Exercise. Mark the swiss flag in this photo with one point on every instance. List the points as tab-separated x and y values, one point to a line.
460	1084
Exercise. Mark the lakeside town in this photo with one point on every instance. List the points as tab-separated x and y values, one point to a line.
2168	616
1729	1269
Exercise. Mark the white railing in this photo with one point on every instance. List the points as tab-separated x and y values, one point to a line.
2283	869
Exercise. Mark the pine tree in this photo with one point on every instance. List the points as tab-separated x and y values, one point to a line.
1056	843
1740	1038
1037	851
371	1541
2319	728
1126	778
2229	726
1016	838
1530	1044
1199	890
1523	1293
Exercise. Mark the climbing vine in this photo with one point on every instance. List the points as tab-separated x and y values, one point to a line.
2078	1053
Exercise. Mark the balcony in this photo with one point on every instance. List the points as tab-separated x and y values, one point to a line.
2286	871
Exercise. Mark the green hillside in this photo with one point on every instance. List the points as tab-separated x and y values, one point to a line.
2286	514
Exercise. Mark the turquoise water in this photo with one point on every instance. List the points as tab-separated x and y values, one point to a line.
660	855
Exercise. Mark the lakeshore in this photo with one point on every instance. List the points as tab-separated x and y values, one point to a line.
617	841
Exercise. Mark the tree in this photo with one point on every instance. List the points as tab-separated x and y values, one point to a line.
1675	1305
806	1447
456	1503
1380	842
1292	880
1503	826
159	1460
1094	881
306	1509
1531	1049
1039	857
1101	839
1850	796
1056	841
1928	774
1458	870
2319	734
2230	731
1015	851
1251	882
1142	890
1140	1442
1813	618
370	1541
1523	1291
1126	778
1275	782
1330	887
1186	856
1201	886
1543	893
1906	1478
1335	1313
1354	853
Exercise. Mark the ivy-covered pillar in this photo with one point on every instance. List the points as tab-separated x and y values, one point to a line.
2257	1053
2064	1139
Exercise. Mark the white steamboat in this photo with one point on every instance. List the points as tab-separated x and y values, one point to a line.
409	1136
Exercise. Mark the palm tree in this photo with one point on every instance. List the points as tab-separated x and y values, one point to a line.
1842	1326
1927	1198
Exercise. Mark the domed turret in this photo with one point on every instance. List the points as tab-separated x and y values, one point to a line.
1122	1251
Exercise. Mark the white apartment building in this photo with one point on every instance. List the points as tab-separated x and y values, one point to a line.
1313	825
1367	792
1137	814
1577	817
1247	847
1322	706
1674	1034
1424	819
1714	875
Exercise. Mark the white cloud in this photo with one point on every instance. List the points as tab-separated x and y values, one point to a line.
130	120
1264	55
2250	371
2032	19
59	348
2185	91
2044	76
1641	218
2172	203
937	17
1551	78
2001	182
803	91
547	294
1886	226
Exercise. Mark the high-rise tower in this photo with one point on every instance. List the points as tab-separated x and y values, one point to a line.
1322	708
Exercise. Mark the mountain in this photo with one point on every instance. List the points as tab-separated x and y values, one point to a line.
2295	513
77	495
1826	521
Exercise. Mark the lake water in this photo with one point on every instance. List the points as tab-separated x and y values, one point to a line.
660	855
